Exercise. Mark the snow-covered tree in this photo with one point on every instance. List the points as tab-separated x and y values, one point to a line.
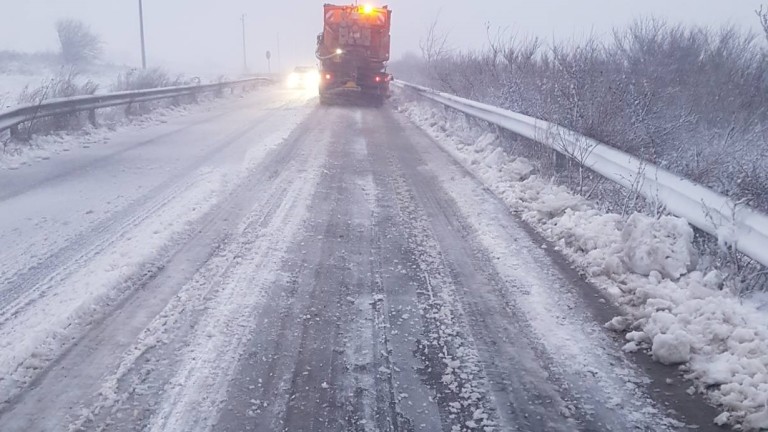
79	44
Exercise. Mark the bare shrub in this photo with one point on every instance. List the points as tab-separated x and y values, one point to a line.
436	52
762	15
145	79
79	45
138	79
65	84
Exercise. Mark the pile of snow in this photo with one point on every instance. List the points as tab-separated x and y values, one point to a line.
663	245
678	315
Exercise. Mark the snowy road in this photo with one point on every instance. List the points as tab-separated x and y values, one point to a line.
273	265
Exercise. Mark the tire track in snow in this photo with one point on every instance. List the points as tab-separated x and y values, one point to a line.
206	120
47	290
32	282
291	372
191	399
29	258
451	364
26	264
200	194
522	394
321	358
147	376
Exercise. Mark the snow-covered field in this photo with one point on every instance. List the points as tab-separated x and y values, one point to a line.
12	85
15	78
676	313
13	82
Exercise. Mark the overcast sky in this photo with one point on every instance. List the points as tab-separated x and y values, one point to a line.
197	36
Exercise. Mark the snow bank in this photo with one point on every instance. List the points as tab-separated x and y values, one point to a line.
15	155
678	315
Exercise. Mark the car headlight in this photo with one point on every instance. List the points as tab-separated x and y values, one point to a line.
293	79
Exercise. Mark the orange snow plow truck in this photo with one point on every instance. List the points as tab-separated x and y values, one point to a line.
353	51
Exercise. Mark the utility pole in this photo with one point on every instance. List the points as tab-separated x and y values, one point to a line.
245	58
141	29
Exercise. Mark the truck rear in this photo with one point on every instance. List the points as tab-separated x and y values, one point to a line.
353	51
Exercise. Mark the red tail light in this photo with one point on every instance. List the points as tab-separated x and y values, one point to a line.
328	76
378	79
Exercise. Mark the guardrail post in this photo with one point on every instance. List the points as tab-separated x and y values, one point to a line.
14	130
561	163
92	118
468	122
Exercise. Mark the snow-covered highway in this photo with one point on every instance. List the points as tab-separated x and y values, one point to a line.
271	264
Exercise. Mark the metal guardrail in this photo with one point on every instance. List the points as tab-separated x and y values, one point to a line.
743	227
11	119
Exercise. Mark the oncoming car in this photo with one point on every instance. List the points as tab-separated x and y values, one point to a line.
304	77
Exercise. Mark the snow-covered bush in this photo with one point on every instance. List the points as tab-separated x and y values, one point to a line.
145	79
138	79
79	45
66	84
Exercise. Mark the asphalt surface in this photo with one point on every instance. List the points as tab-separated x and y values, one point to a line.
325	268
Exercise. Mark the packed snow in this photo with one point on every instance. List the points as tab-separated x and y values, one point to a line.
678	314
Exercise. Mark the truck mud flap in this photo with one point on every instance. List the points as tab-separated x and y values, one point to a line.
351	97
